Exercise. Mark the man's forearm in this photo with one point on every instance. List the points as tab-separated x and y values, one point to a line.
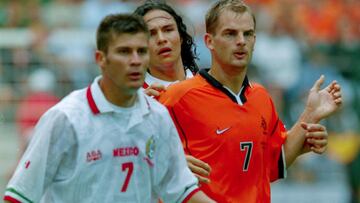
200	197
296	138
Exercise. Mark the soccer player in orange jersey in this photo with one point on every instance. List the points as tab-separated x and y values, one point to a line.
231	123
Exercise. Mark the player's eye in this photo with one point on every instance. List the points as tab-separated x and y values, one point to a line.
124	51
152	33
230	33
170	29
142	51
249	33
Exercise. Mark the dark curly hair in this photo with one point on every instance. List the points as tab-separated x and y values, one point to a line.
188	48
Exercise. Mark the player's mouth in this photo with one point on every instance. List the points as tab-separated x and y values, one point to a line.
135	75
240	54
166	51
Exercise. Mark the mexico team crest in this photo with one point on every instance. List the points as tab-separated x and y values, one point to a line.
150	147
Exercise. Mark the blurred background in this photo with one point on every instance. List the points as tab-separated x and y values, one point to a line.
46	51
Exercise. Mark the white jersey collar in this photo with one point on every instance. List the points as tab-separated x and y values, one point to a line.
149	79
99	104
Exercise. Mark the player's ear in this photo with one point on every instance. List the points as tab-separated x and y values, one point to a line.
208	41
100	58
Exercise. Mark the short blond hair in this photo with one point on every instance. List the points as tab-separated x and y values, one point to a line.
212	16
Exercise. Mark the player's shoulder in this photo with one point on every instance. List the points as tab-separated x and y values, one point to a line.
71	105
258	88
258	94
177	91
158	113
152	104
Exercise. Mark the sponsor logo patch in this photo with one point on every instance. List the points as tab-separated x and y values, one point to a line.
221	131
93	155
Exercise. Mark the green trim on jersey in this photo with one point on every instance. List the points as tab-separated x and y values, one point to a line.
18	193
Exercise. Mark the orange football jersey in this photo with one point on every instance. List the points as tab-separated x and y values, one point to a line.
241	142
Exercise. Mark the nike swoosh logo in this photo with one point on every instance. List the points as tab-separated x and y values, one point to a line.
219	132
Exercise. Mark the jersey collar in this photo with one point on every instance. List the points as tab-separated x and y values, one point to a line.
149	79
212	81
99	104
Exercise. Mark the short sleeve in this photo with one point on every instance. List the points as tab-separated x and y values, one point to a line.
277	156
52	138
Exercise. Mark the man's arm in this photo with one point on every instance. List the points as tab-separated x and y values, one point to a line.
40	161
199	168
303	138
154	90
306	135
200	197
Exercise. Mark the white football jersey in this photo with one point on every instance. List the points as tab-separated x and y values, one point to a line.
149	79
87	150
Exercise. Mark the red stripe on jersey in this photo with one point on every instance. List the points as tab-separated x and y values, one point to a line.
145	85
11	199
91	101
190	195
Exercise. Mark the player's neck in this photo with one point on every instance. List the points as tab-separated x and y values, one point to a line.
230	77
169	72
116	96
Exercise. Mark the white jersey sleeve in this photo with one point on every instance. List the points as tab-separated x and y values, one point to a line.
53	138
178	182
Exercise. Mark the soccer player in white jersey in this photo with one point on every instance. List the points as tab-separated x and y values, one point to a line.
171	48
172	59
108	142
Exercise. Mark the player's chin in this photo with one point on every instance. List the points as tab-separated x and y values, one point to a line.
166	60
240	62
135	84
